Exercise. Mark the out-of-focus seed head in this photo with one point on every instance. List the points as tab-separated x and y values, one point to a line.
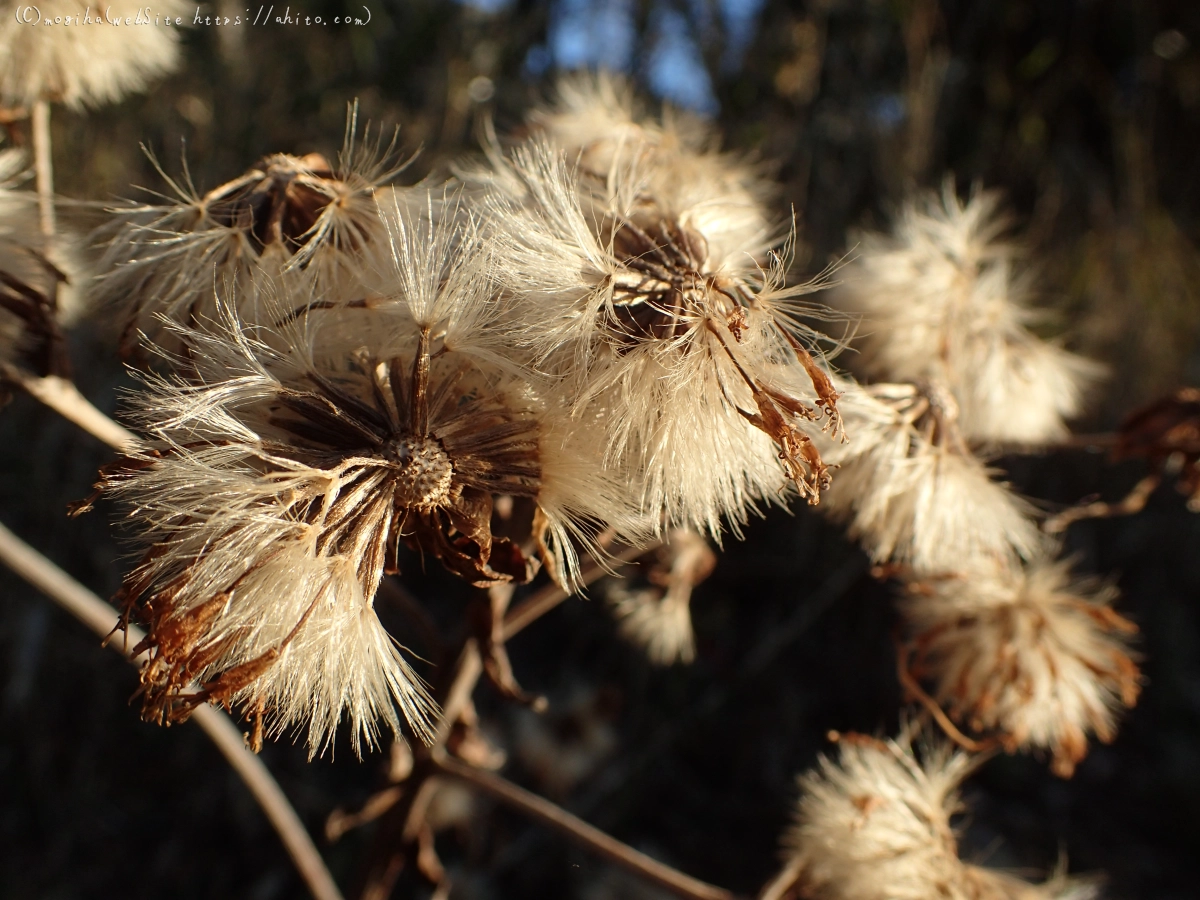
658	617
942	297
41	281
909	489
1026	654
84	62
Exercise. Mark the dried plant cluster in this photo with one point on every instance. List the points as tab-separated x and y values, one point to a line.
585	338
1013	649
344	365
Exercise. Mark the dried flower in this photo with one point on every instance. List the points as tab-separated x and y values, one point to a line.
296	218
941	300
286	471
694	353
658	618
876	825
1166	433
89	57
597	127
1029	654
912	493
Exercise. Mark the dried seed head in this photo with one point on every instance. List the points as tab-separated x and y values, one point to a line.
640	303
426	472
1028	654
658	618
296	219
912	493
1166	433
876	825
942	298
305	472
40	280
80	63
297	456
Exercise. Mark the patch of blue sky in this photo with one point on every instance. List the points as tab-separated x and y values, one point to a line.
674	66
590	34
740	21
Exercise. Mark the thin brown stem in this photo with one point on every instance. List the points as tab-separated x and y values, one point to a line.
1134	502
103	620
64	398
780	887
581	832
419	402
44	166
466	675
393	840
547	598
914	690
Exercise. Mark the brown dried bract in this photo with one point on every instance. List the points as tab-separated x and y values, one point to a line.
800	457
33	300
1166	433
276	202
442	460
665	293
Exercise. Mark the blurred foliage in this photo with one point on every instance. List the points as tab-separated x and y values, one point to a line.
1086	112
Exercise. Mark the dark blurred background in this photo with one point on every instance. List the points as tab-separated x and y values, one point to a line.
1086	113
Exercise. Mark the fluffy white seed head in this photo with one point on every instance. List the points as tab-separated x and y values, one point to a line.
910	492
672	162
65	58
942	297
876	825
306	448
658	618
306	470
299	220
597	120
697	361
1029	654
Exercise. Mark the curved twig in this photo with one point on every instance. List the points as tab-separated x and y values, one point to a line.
581	832
102	619
782	885
547	598
64	398
914	690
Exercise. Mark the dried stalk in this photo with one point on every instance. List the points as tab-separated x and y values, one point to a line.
542	601
102	619
781	886
914	691
405	811
64	398
44	165
592	838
